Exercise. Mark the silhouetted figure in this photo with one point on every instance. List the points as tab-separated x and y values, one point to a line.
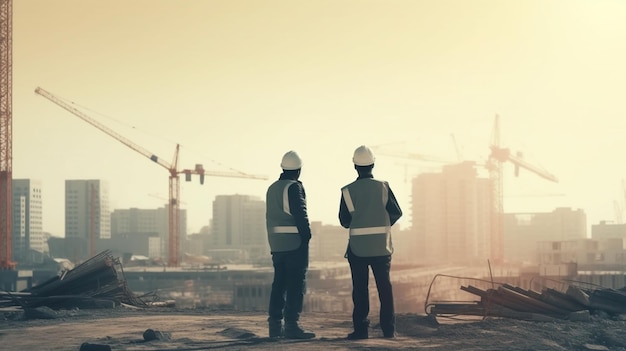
369	208
288	232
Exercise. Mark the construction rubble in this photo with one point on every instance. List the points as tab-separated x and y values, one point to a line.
96	283
99	283
564	300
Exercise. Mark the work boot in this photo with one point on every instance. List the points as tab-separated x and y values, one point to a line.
358	335
293	331
389	334
360	330
276	328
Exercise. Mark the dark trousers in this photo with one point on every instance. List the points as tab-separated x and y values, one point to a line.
381	265
289	284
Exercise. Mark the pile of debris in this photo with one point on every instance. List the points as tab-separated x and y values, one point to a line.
503	300
96	283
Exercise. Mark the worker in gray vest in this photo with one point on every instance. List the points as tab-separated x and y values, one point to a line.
288	232
369	208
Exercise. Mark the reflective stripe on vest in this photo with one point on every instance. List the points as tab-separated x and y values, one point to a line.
286	208
348	199
369	230
285	230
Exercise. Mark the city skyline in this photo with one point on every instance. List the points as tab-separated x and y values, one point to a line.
239	83
252	197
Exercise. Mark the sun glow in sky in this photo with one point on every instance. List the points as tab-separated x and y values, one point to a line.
237	83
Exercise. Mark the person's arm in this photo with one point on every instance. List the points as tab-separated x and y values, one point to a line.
297	206
393	208
345	218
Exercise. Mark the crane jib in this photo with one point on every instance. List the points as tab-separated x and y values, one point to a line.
174	186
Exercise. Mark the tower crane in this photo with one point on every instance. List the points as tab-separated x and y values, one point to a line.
172	168
497	157
6	133
408	155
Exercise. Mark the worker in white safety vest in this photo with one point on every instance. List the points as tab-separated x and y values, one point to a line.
288	233
369	208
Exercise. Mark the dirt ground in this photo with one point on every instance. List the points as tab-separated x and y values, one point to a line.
198	329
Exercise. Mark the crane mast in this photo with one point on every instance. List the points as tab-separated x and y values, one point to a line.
496	211
497	157
6	133
172	168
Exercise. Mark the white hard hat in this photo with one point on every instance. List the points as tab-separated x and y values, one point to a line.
363	156
291	161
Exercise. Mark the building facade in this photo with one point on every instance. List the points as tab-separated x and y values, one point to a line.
148	228
606	230
588	254
238	228
450	212
87	214
328	242
600	259
28	245
523	231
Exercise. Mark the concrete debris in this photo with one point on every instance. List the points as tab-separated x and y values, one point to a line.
504	300
96	283
42	312
151	334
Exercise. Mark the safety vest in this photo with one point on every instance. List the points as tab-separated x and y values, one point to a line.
282	232
370	229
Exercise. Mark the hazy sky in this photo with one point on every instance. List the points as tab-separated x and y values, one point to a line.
239	82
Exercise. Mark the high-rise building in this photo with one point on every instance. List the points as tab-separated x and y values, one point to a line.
28	243
450	212
238	224
87	214
128	225
328	242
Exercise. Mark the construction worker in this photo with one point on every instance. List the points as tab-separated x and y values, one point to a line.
369	208
288	232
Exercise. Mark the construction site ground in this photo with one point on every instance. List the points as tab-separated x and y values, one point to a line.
204	329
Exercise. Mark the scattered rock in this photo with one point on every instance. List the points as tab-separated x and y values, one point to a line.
237	333
611	337
40	313
151	334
